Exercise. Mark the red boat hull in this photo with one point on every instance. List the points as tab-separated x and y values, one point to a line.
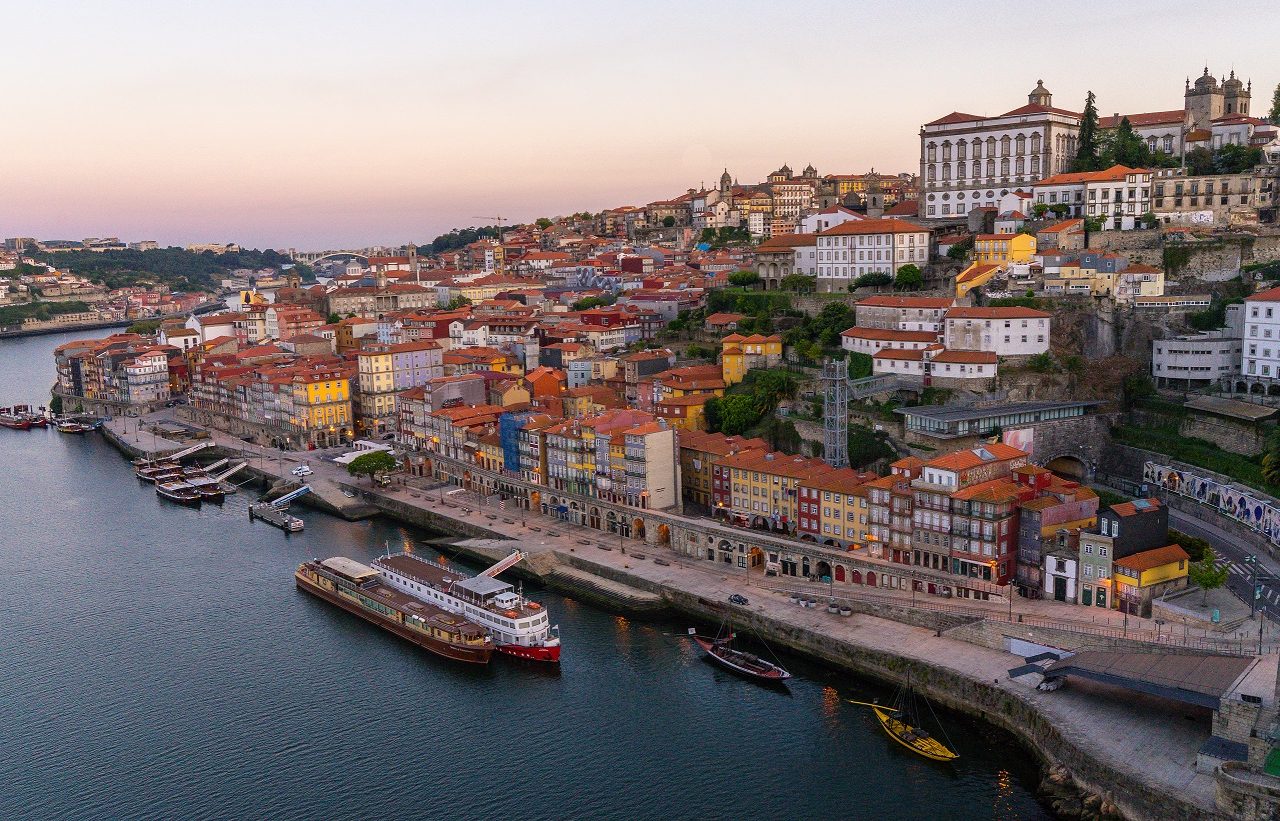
16	424
547	654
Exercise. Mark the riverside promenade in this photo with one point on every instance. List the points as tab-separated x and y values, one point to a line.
1135	752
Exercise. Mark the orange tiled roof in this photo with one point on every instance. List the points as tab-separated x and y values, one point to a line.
1148	559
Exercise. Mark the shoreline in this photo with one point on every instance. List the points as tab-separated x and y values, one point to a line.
11	332
1082	779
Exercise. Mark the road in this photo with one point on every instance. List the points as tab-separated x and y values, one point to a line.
1231	552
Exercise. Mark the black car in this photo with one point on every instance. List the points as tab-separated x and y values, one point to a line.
737	599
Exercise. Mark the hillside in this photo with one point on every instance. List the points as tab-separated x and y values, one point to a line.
178	268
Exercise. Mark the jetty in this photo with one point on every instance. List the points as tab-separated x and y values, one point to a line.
276	513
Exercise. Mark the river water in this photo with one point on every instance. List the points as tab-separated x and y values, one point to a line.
158	663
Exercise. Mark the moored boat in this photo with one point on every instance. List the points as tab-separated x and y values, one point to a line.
150	473
363	591
519	627
209	488
903	723
740	661
72	427
38	418
179	492
12	419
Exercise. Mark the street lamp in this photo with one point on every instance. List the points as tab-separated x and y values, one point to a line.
1251	561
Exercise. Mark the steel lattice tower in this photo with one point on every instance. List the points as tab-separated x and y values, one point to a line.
835	413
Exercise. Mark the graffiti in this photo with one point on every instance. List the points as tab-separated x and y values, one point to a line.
1260	514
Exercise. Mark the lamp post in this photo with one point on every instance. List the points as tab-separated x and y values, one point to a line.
1251	561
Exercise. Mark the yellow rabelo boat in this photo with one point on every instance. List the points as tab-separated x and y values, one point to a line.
902	722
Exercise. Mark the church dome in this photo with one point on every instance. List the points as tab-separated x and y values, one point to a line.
1232	84
1206	81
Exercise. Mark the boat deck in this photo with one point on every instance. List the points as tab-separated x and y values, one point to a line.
442	578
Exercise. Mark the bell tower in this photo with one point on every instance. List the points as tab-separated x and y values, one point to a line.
1040	95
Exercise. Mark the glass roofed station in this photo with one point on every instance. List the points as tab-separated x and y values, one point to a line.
954	422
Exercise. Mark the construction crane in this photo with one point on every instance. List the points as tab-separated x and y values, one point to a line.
496	221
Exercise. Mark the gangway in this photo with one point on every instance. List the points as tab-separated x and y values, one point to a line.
283	501
174	457
503	564
218	465
232	470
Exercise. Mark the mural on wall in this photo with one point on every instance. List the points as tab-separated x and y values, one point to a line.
1023	439
1260	514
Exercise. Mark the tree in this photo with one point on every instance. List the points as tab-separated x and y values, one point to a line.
1059	209
1126	147
1087	142
456	303
543	223
731	415
799	282
860	365
1042	363
1274	116
960	249
909	278
1235	159
1199	161
872	280
1038	210
371	464
744	279
1194	545
1092	225
668	221
332	318
1206	574
1149	220
867	446
1271	459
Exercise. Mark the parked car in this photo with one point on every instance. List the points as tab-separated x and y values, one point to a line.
302	470
738	599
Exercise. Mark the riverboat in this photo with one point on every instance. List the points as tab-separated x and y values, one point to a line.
158	470
67	426
38	418
12	419
740	661
365	592
209	488
179	492
902	722
519	627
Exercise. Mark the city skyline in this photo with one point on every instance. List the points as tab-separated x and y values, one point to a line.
272	130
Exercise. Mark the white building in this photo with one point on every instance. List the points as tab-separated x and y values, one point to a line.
827	218
902	313
1002	331
871	341
859	247
1261	355
970	160
1196	359
1118	196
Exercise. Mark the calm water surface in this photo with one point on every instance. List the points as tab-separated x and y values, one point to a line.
158	663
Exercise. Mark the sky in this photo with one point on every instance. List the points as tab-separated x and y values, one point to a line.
318	125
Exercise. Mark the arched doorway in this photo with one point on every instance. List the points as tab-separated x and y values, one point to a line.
808	537
637	528
759	523
575	513
1069	467
823	571
756	557
612	522
593	518
856	577
664	534
871	578
839	573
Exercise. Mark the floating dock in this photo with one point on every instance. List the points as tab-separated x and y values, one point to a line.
273	515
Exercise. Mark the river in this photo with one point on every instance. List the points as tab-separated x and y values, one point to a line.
159	663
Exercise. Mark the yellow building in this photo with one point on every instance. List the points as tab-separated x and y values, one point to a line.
1143	577
685	412
376	397
975	276
1003	248
764	490
834	508
740	354
322	402
489	452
